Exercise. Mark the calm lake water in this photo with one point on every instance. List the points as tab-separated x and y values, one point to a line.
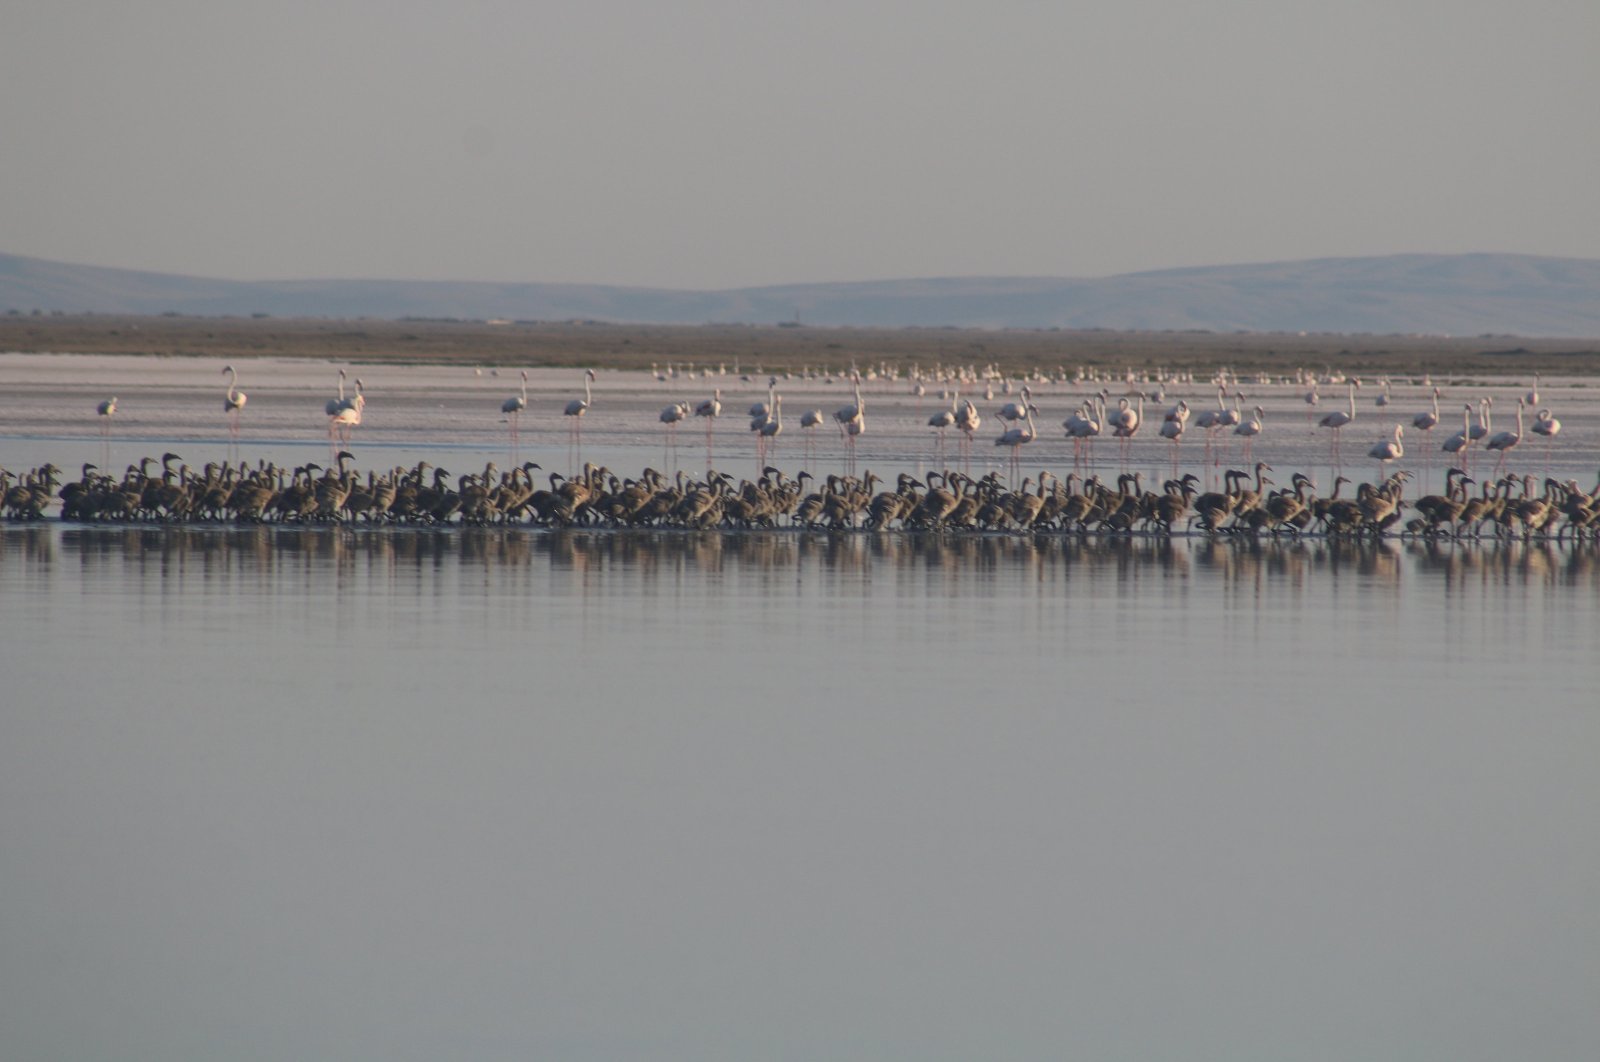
412	795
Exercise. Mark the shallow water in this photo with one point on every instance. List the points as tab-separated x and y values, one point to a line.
450	416
313	794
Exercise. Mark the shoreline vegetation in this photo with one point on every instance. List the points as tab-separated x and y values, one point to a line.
776	348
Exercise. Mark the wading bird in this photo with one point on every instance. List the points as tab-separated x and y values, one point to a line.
1429	420
1389	449
233	402
576	409
1461	441
1545	423
670	416
1337	419
1125	423
333	405
762	409
810	421
710	409
1505	441
1016	438
968	421
943	420
1172	427
1249	429
1480	430
1426	422
513	407
770	429
852	422
344	423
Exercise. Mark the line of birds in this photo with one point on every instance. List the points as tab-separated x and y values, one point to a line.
948	500
1090	420
344	411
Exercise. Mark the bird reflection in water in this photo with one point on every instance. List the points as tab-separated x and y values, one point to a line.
180	553
30	548
1508	562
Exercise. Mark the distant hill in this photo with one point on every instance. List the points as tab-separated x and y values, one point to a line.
1470	294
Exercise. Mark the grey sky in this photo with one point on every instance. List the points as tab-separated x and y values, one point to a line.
720	144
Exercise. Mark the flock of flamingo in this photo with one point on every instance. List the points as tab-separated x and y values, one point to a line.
1093	418
946	499
1086	423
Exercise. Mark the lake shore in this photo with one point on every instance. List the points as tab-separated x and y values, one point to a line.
772	349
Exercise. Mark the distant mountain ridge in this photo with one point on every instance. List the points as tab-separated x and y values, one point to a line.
1467	294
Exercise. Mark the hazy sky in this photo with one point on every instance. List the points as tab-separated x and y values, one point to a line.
707	144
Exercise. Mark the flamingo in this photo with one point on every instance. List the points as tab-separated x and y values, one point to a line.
106	410
1078	425
1232	418
333	405
1390	449
1311	400
1212	420
513	407
1125	423
853	430
578	407
1426	422
1094	412
1172	426
1533	392
1018	437
810	420
670	416
348	418
760	412
1383	399
1504	441
845	414
1015	411
1338	418
969	420
762	409
1485	408
1249	429
710	409
769	429
1544	423
344	413
1461	441
944	420
233	402
852	420
1429	420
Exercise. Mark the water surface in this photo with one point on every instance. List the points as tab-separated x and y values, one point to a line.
276	793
